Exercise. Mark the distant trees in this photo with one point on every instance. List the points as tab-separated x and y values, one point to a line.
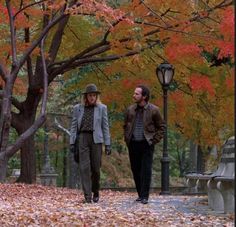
43	39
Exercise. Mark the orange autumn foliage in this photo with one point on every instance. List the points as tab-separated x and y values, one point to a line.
153	31
201	83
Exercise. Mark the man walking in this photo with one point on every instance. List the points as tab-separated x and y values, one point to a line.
143	128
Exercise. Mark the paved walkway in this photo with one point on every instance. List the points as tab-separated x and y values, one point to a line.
172	210
38	206
184	204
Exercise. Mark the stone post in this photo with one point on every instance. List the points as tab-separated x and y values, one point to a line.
48	175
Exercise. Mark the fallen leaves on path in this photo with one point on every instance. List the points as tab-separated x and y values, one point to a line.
36	205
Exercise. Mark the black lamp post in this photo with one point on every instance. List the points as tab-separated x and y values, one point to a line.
165	73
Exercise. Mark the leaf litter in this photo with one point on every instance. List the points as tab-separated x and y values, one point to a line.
36	205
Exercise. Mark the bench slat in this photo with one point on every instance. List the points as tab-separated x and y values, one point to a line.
227	160
220	183
224	178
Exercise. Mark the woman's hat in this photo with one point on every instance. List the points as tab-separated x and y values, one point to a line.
91	88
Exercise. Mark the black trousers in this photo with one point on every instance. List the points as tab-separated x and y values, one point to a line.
141	158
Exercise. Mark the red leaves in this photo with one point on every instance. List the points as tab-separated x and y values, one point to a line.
101	9
227	29
177	49
126	83
201	83
179	101
227	23
132	83
226	49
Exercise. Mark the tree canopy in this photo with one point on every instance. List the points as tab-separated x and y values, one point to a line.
43	39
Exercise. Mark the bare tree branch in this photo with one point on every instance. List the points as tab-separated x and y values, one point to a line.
56	42
13	34
93	59
28	61
36	42
153	12
41	118
59	126
28	6
45	81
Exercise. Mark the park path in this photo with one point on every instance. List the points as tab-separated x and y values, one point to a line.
35	205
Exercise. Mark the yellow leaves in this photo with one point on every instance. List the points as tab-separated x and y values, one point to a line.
179	39
117	47
200	117
136	59
123	29
122	48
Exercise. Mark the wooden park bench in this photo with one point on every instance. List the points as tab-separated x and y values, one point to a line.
219	184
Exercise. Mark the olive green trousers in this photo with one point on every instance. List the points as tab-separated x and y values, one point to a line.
90	155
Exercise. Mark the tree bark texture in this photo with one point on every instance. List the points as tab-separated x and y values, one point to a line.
28	162
3	166
28	158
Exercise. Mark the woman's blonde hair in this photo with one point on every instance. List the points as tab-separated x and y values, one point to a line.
84	100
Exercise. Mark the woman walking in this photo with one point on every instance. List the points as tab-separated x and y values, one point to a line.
90	129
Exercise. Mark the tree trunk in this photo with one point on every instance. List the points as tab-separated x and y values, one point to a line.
28	156
200	161
182	163
3	166
193	157
5	117
28	162
5	125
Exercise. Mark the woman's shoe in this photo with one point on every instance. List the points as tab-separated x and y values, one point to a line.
88	200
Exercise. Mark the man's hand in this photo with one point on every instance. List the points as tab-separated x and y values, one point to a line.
72	148
107	149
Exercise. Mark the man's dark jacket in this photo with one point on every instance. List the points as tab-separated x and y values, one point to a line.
153	123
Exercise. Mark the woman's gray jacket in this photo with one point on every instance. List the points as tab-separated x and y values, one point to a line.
101	132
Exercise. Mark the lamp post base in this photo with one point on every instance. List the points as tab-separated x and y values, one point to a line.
165	175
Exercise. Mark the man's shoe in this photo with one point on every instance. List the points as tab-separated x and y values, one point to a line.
144	201
95	197
138	199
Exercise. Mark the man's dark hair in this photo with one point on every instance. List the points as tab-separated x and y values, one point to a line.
145	92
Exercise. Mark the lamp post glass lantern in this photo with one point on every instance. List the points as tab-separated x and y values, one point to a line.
165	73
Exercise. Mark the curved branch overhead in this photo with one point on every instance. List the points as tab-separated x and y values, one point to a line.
195	37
